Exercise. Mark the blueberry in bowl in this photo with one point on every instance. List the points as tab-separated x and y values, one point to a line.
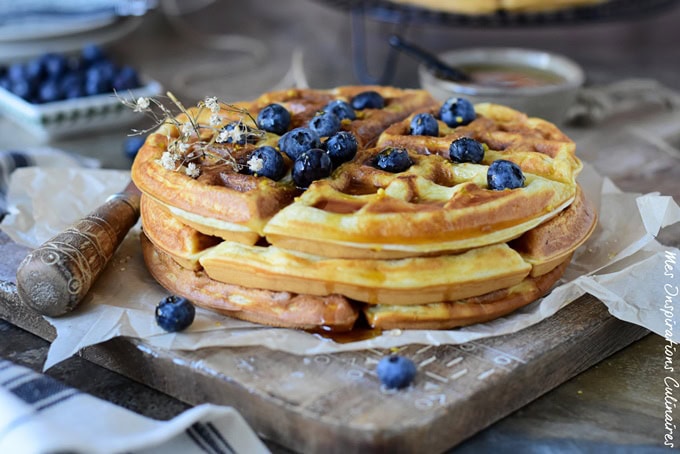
53	77
504	174
56	95
175	313
126	78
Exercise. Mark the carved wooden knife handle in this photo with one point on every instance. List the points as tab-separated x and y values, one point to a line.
56	276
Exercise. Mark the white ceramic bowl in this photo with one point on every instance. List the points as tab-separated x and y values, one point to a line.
549	101
74	116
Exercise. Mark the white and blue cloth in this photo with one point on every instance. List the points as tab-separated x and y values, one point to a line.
39	414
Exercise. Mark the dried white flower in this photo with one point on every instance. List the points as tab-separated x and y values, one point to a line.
255	164
169	160
187	128
142	104
234	134
192	170
183	147
215	120
212	104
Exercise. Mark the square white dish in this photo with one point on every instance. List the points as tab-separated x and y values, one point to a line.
70	117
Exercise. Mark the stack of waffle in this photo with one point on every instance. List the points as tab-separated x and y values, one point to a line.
492	6
428	247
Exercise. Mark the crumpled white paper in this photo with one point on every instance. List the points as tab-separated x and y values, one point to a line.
621	265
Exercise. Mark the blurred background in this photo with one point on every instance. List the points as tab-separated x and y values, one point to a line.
628	50
237	50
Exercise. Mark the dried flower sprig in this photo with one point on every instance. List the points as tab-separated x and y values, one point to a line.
186	152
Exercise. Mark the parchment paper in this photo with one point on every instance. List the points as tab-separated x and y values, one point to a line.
621	264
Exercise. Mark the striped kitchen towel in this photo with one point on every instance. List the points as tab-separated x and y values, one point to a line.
40	156
39	414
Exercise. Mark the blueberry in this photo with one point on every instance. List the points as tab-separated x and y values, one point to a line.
75	65
424	124
393	160
50	91
504	174
104	69
17	72
35	69
466	150
96	86
274	118
242	136
92	53
175	313
325	124
22	88
266	162
72	86
126	78
310	166
368	100
297	141
457	112
395	371
55	65
341	147
341	109
132	145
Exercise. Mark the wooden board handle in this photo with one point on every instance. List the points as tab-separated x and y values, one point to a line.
56	276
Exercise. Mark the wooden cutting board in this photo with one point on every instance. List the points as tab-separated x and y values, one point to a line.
334	402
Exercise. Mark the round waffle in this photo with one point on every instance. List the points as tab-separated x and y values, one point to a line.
536	145
431	246
284	309
492	6
224	202
434	207
467	311
408	281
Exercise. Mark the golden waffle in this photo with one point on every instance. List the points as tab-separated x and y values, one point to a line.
222	201
431	246
184	243
536	145
282	309
395	282
400	281
434	207
553	242
467	311
475	7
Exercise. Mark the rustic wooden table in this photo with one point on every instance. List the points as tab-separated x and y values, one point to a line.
617	405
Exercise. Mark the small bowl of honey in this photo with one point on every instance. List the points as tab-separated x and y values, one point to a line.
538	83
